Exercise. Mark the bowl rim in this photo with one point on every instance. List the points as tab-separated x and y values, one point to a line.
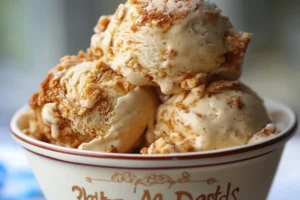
283	136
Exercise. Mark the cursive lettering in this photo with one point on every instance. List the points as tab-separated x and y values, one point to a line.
80	190
233	193
82	195
147	196
227	193
182	194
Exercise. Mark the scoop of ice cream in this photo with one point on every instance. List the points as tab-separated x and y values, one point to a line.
83	103
227	114
176	45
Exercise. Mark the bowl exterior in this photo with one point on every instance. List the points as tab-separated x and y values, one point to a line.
247	179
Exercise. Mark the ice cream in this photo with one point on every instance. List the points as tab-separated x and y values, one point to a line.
269	131
176	45
227	114
83	103
100	27
182	54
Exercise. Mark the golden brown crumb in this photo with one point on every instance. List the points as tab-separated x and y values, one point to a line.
198	79
161	19
220	86
102	24
138	2
269	131
134	28
112	149
234	101
214	16
181	106
171	54
144	150
199	115
33	101
237	46
198	6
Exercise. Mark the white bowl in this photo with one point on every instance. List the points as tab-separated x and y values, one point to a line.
239	173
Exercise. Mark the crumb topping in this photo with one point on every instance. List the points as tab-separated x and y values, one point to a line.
220	86
237	44
236	102
102	24
78	98
169	12
159	18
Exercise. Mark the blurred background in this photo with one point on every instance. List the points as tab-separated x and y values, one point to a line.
35	34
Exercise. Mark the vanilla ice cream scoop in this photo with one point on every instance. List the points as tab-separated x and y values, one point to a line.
176	45
227	114
83	103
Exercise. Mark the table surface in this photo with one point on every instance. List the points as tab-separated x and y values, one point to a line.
286	183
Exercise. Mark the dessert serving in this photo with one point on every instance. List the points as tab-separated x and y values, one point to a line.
154	110
84	104
107	98
176	45
227	114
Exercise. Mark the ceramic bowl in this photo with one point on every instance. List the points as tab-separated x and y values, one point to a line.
239	173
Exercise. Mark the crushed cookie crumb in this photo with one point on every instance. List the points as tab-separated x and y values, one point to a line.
160	19
102	24
236	101
237	44
269	131
112	149
199	115
214	16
